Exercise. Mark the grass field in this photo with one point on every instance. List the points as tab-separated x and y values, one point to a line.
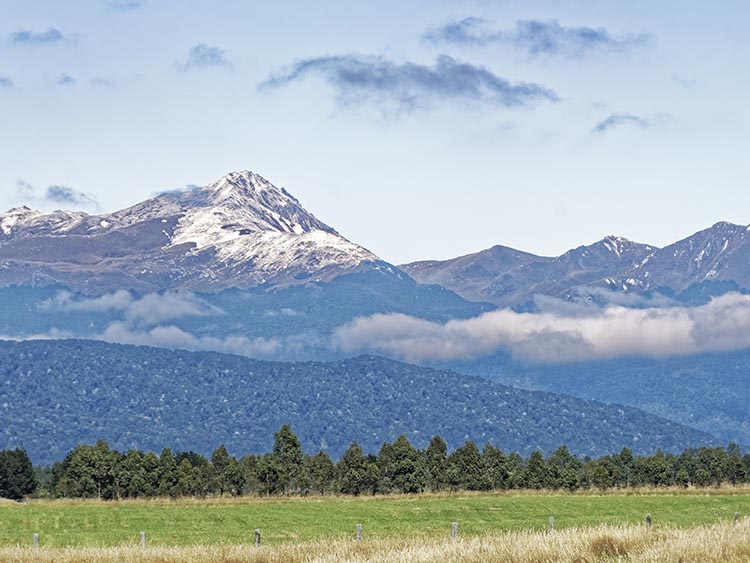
718	543
294	520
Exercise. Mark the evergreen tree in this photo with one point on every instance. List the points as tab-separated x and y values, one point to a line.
352	471
536	471
436	464
602	476
735	469
494	467
562	470
322	472
16	475
270	479
403	467
466	465
288	458
88	471
249	468
168	474
516	469
220	460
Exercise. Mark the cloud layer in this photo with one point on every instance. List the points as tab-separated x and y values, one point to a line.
148	321
408	86
148	310
536	37
721	325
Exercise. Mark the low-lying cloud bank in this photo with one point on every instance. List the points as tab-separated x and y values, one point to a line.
614	331
171	336
150	309
149	320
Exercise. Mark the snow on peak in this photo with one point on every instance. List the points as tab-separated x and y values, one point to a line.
16	216
245	218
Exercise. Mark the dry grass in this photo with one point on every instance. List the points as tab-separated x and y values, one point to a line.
721	543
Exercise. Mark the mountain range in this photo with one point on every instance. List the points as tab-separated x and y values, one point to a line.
242	232
711	262
240	266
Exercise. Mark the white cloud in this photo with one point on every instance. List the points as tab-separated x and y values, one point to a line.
151	309
174	337
614	331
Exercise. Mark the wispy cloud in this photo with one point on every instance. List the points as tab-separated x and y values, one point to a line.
125	5
615	120
65	80
721	325
100	82
49	37
202	56
70	196
56	194
536	37
684	81
177	191
6	82
25	190
408	86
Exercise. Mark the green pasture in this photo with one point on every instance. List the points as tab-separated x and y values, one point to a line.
232	521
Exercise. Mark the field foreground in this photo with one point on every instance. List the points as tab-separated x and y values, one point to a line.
725	543
231	521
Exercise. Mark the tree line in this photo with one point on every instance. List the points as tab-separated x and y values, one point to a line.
96	471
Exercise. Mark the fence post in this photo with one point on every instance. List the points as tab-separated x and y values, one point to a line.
143	540
648	520
551	523
736	518
36	541
454	530
359	532
257	537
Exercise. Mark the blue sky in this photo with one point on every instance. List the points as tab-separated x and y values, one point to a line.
420	129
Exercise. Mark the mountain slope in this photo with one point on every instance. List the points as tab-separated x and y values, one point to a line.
718	254
511	278
240	231
60	393
706	391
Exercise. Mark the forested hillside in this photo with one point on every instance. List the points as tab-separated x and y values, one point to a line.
707	391
57	394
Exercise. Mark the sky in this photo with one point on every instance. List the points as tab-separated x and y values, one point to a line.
421	129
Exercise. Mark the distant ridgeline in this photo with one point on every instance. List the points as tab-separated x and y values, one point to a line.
100	472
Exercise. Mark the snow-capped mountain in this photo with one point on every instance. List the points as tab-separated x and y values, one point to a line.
240	231
508	277
719	254
710	262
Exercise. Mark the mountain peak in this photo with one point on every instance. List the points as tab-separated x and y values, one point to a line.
239	231
15	216
725	226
